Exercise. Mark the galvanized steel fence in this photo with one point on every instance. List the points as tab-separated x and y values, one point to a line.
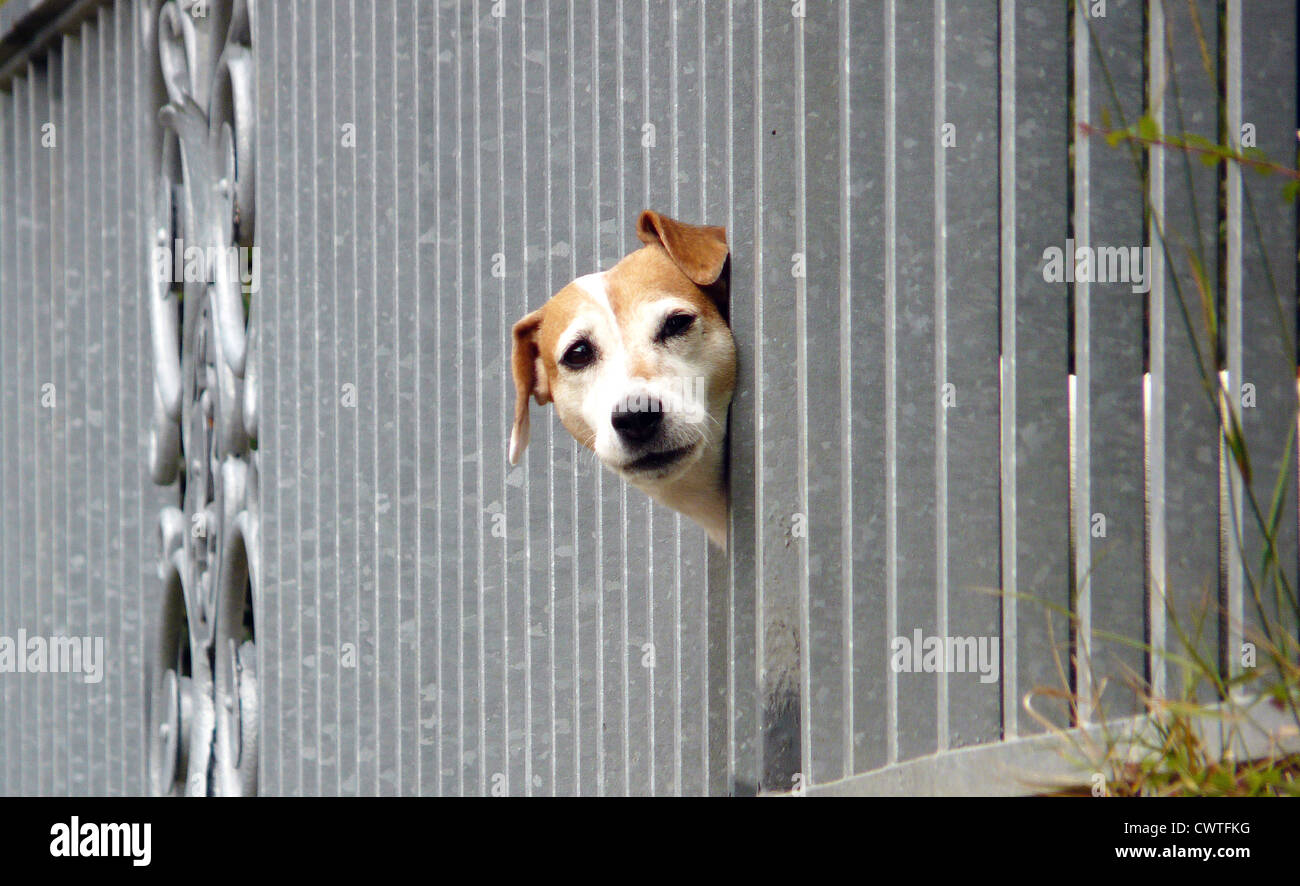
289	514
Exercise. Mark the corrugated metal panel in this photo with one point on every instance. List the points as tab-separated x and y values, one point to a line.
1192	451
10	593
276	280
1261	276
913	411
743	216
828	727
432	620
78	545
971	434
1107	347
868	191
1035	360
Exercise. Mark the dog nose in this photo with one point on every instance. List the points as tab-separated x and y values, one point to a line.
636	427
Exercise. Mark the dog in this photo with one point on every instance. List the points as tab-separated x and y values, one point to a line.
641	365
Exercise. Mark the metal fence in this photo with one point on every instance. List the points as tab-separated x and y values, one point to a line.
289	513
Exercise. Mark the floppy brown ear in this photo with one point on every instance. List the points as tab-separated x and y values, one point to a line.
699	250
530	379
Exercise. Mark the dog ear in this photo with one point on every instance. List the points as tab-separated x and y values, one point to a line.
530	379
699	250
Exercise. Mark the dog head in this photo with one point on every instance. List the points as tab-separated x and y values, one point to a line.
640	364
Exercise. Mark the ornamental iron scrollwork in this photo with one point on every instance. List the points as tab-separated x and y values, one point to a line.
203	698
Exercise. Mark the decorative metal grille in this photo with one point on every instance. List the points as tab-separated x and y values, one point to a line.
203	722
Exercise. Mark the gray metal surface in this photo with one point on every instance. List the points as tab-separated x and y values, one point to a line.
1108	421
1035	446
1192	449
432	620
1261	278
78	541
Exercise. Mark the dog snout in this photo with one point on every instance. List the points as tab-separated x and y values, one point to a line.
635	427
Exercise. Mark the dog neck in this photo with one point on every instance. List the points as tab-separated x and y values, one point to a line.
700	494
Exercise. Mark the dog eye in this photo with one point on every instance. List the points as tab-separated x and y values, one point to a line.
675	324
579	355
